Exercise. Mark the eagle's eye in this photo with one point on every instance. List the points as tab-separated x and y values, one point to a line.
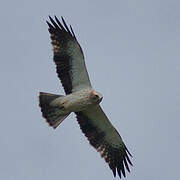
95	96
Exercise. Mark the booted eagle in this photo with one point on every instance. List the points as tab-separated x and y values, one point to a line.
81	99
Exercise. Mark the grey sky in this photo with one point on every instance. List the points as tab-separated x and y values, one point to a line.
132	51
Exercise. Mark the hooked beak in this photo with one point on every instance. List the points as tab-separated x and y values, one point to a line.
100	99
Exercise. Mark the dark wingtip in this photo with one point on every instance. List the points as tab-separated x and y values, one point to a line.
127	157
128	151
126	164
65	25
50	26
51	19
56	24
72	32
62	18
123	172
56	18
59	23
114	172
119	173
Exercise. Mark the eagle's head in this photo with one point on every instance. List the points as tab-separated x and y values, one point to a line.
95	97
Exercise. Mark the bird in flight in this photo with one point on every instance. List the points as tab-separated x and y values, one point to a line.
81	99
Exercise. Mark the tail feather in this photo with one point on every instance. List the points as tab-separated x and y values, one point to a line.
53	115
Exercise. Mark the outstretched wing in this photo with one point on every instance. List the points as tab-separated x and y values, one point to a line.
105	138
68	57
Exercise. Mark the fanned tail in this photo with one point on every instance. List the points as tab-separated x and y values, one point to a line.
53	115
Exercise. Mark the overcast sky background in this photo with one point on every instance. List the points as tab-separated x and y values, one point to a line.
132	51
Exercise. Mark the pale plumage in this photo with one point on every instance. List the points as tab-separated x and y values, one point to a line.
81	99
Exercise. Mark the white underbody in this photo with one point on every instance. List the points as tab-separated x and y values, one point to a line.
77	101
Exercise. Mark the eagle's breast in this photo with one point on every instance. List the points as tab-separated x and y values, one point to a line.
78	101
